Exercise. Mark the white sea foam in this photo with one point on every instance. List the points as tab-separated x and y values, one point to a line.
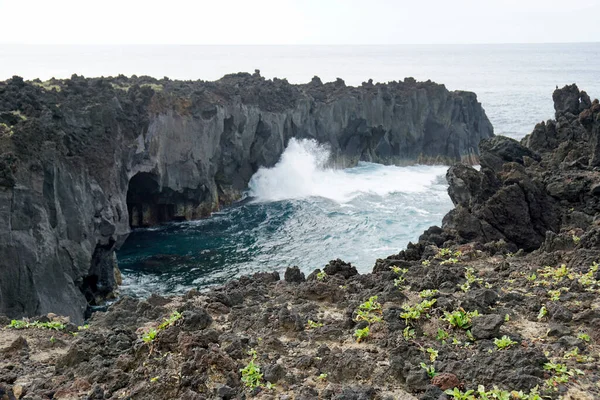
301	173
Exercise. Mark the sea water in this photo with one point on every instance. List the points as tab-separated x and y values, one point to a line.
300	212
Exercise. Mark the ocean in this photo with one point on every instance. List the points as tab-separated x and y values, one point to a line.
300	212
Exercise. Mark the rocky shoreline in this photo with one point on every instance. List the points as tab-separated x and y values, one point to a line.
84	159
501	302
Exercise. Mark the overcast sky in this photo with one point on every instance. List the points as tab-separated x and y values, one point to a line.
297	21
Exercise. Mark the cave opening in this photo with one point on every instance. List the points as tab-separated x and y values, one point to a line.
148	205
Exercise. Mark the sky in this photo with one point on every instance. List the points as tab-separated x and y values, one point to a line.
219	22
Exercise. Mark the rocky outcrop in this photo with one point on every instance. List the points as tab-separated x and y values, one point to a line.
82	160
526	191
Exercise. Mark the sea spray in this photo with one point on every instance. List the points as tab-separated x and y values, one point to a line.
303	172
299	212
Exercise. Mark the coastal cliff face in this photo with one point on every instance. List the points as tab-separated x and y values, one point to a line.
526	193
83	160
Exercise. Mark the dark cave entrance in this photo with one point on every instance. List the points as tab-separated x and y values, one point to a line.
148	205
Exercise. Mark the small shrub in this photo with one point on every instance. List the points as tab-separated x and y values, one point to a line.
251	375
22	324
149	336
457	394
313	325
583	336
361	334
460	318
542	313
442	335
425	294
413	313
408	333
430	369
504	342
433	354
171	320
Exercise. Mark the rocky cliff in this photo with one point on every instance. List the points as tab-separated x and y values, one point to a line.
82	160
526	193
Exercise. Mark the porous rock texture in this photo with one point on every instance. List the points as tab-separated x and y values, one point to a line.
82	160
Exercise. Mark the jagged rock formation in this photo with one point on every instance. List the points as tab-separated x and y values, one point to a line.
526	193
83	159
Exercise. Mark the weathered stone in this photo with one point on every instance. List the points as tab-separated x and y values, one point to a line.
487	326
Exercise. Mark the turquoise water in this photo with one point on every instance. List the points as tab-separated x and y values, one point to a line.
297	213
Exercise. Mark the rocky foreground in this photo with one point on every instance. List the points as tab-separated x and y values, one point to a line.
84	159
501	302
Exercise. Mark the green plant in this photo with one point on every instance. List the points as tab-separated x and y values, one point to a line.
457	394
171	320
506	318
465	287
470	335
442	335
554	294
433	354
22	324
557	274
500	394
443	253
450	260
460	318
576	239
426	263
369	311
399	281
371	305
47	85
398	270
251	375
367	316
562	374
361	334
504	342
583	336
425	294
542	313
321	275
322	377
18	324
588	279
430	369
413	313
149	336
408	333
312	324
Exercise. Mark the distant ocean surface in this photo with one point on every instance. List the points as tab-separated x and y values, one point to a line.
513	82
300	212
